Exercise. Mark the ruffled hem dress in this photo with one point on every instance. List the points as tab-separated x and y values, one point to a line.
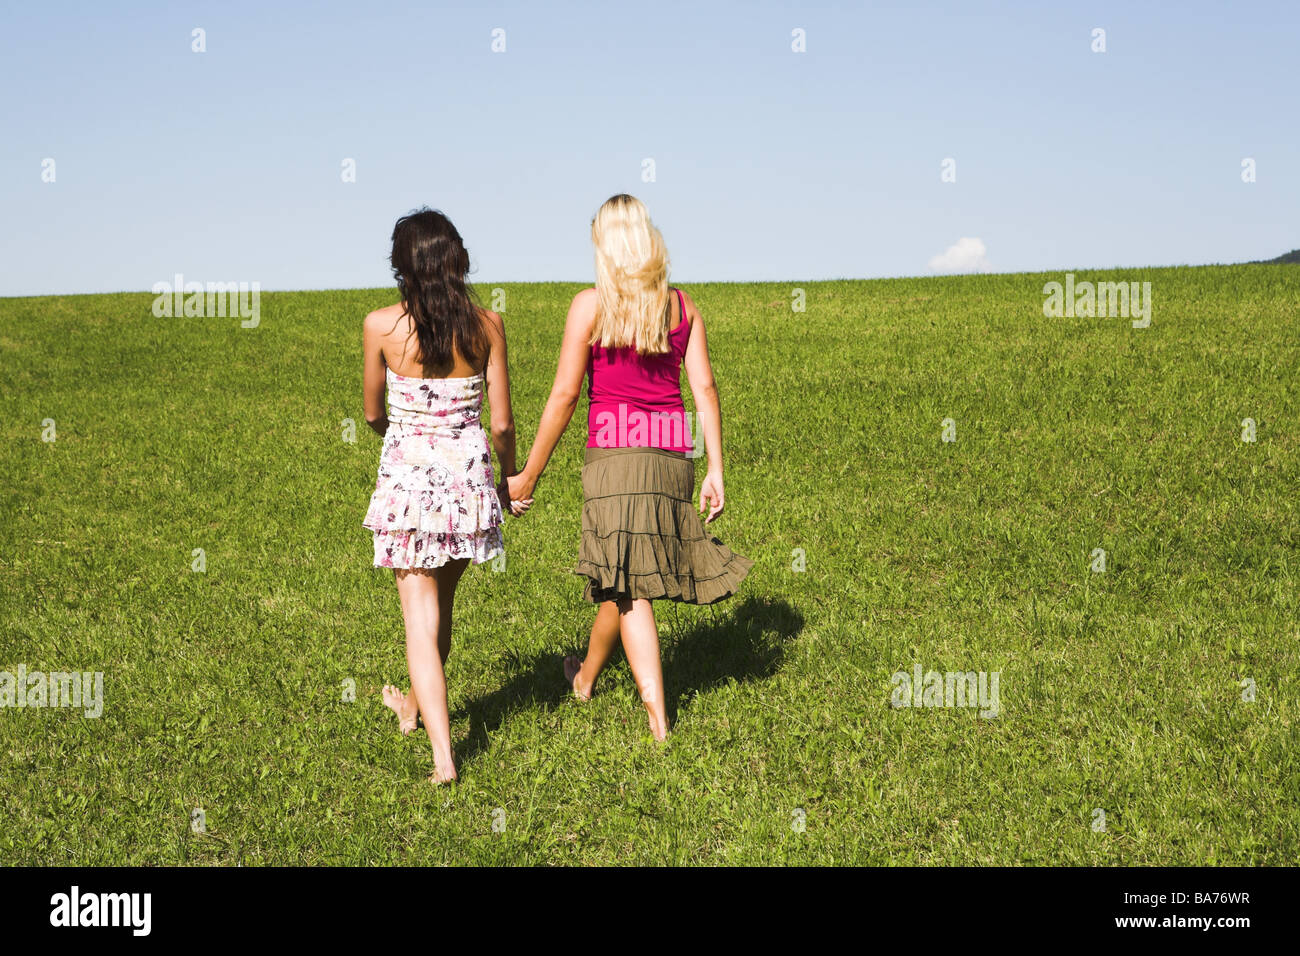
435	497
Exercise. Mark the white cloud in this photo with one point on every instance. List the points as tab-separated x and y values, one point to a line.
966	255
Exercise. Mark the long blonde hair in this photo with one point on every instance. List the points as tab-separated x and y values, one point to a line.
631	278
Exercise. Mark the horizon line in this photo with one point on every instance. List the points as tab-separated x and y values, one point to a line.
587	282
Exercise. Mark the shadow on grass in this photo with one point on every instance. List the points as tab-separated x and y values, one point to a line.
743	643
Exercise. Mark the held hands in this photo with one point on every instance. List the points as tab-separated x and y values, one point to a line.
518	493
509	503
712	492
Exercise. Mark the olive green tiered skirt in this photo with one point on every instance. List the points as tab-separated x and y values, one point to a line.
642	536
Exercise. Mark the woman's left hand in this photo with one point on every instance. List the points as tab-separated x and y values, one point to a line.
519	493
515	507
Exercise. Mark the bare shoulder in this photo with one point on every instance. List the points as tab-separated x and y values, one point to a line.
582	310
494	326
692	311
383	320
585	302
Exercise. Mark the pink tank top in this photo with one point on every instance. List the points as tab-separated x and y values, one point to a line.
636	400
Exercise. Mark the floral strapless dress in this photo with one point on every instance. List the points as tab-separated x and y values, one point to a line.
435	499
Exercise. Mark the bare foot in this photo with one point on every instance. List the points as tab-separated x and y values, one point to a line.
402	706
572	668
443	775
658	725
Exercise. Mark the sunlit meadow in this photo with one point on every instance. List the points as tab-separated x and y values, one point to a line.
1148	702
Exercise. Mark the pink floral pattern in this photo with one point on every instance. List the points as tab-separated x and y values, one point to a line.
435	499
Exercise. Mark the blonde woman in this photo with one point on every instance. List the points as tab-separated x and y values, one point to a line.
642	539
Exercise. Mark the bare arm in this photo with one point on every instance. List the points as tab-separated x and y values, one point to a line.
498	389
708	410
372	378
567	388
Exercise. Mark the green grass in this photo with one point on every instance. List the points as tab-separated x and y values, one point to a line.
1119	691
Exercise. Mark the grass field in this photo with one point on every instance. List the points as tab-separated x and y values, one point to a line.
1120	691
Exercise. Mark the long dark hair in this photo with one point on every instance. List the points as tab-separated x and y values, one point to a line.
430	265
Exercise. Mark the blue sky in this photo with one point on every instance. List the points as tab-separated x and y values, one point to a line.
769	164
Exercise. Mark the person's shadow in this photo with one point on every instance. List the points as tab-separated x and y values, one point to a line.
745	643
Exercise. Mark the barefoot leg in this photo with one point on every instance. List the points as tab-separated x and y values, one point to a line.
641	645
604	639
446	584
426	604
447	577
